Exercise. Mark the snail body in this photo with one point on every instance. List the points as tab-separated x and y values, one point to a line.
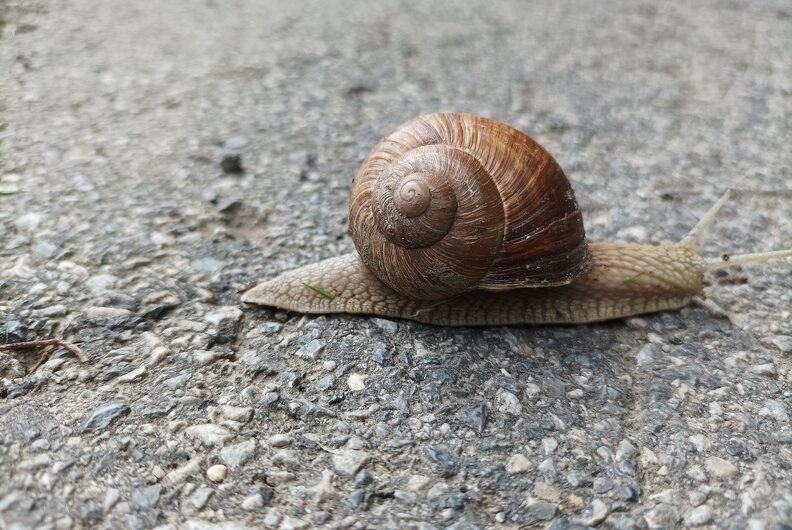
462	220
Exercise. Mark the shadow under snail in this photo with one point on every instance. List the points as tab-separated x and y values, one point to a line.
463	220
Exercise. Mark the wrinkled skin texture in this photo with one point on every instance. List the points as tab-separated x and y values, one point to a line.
626	280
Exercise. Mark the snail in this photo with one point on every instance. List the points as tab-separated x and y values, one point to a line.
462	220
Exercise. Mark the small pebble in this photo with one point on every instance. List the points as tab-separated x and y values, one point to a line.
253	502
699	516
217	473
200	497
517	464
767	370
208	434
720	468
280	440
646	355
356	382
311	350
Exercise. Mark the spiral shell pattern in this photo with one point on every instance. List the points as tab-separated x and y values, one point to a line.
453	202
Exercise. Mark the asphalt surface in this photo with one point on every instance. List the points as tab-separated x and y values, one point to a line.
125	230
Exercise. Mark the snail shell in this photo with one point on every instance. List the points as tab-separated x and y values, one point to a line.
453	202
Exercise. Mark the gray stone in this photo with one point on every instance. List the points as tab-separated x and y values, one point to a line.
662	516
199	524
380	354
602	485
542	511
110	499
200	497
311	350
35	462
348	462
146	497
700	515
388	326
104	415
238	454
44	249
646	354
327	381
474	415
178	381
443	457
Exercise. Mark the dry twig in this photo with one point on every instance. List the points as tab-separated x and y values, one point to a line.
47	346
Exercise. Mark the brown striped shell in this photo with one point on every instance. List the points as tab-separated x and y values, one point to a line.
453	202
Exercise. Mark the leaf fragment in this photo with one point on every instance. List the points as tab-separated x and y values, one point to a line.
633	280
9	190
318	290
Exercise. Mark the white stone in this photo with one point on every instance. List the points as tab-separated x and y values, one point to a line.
549	445
356	382
217	473
700	442
280	440
97	313
767	369
417	483
189	469
101	282
28	222
253	502
208	434
349	461
241	414
517	463
223	315
134	375
720	468
598	512
508	402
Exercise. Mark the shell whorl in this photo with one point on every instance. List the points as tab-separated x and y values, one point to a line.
452	202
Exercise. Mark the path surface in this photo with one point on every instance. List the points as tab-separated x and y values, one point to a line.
128	239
